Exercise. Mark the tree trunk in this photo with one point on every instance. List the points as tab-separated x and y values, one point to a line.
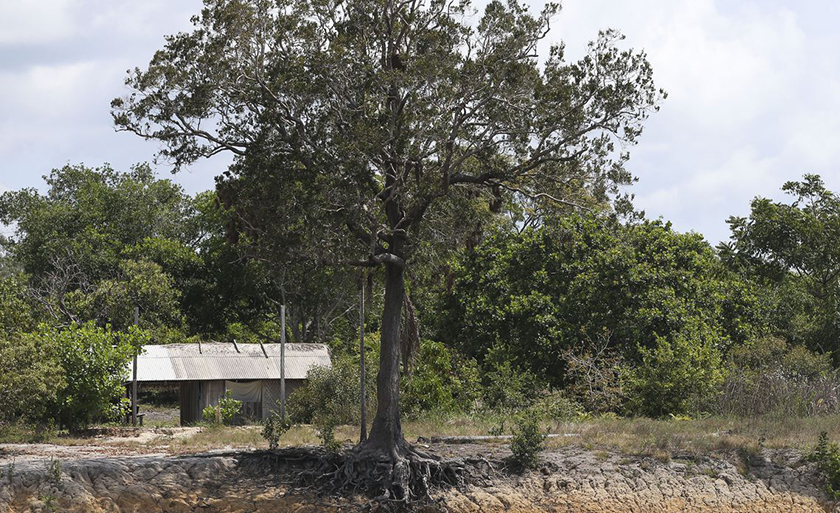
386	432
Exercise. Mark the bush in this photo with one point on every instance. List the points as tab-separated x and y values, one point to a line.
767	376
594	377
31	379
827	457
332	392
507	388
273	428
444	381
71	376
326	432
675	376
527	442
558	407
224	412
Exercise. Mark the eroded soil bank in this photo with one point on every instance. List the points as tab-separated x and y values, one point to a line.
572	479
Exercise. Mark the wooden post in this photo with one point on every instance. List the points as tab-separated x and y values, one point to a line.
362	395
283	362
134	375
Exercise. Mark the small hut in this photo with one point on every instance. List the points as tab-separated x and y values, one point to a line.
205	372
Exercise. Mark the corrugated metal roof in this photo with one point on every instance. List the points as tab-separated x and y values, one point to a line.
184	362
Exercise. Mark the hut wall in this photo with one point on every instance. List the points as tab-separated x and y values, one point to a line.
211	392
197	395
190	395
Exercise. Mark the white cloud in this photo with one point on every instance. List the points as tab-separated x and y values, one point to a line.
35	21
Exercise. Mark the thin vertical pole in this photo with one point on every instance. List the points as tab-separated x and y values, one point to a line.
362	395
283	362
134	375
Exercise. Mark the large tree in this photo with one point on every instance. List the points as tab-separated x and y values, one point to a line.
350	121
793	249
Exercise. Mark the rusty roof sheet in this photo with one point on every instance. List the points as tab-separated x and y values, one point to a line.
188	362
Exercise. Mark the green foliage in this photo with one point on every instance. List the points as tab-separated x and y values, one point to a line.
527	442
507	388
583	284
332	394
32	379
442	381
54	471
557	406
326	432
95	362
72	376
827	457
273	428
793	250
15	311
222	412
677	375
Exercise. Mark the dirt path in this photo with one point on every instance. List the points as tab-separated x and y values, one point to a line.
571	479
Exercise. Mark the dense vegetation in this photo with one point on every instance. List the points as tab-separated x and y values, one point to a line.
579	313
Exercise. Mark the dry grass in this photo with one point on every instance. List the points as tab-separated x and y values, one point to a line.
661	439
665	438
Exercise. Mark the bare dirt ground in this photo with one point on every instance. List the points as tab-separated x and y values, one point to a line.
138	474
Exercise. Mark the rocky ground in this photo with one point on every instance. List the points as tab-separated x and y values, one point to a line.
570	479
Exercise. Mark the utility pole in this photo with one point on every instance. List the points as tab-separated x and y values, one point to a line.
283	362
134	374
362	395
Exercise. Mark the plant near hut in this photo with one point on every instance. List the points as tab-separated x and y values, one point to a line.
223	412
273	428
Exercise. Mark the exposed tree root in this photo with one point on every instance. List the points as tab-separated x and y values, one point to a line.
400	476
404	478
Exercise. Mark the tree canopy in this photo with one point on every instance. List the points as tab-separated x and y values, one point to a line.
351	120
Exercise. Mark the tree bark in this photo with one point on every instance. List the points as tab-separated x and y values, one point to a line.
386	432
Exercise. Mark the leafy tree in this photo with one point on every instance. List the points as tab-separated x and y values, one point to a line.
15	309
794	250
588	284
95	363
31	380
677	374
349	121
443	381
70	376
86	245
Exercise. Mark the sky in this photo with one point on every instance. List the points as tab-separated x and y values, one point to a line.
754	94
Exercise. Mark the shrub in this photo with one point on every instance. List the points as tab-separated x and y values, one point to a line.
594	377
557	406
676	375
443	381
527	442
223	412
507	388
332	392
93	363
30	380
326	432
767	376
273	428
827	457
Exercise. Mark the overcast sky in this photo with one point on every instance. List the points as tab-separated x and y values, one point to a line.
754	93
